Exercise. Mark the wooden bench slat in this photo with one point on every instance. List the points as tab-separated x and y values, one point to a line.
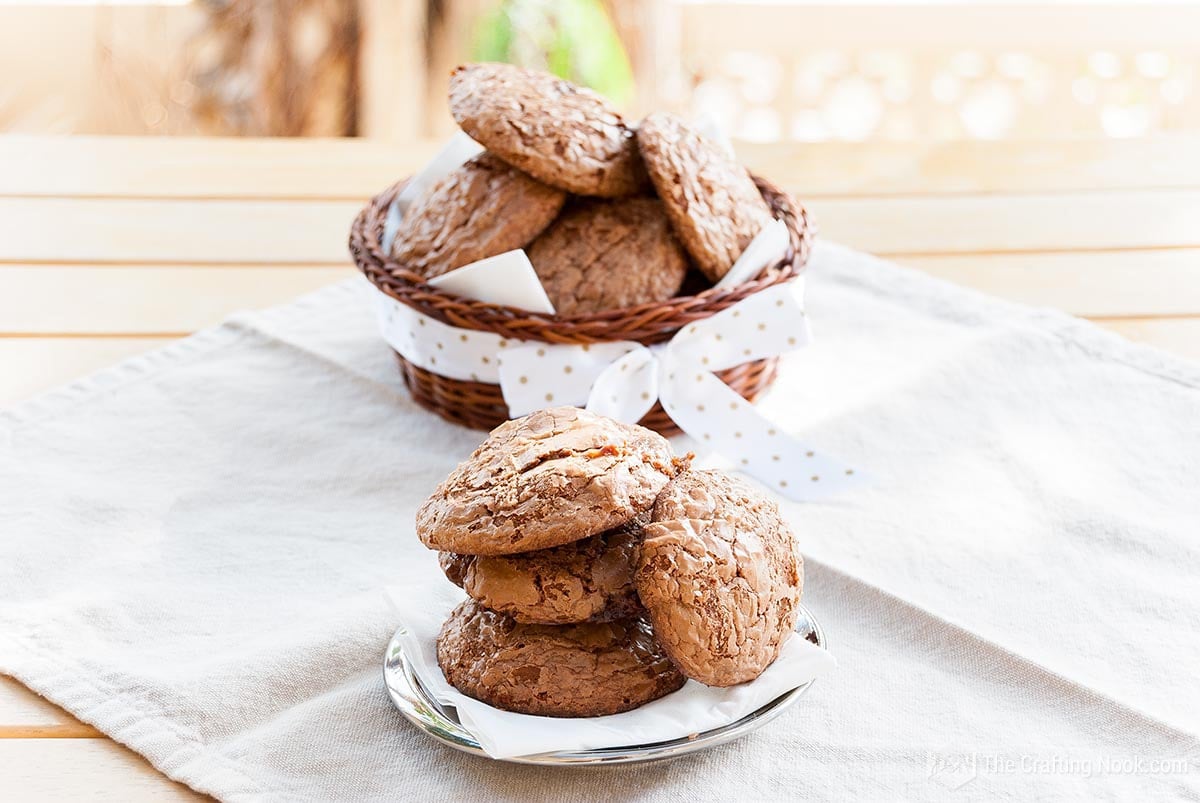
97	770
354	169
116	231
173	299
1120	283
189	167
24	714
33	365
55	299
1004	223
315	232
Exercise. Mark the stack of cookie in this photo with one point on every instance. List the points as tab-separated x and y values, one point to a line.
611	215
601	571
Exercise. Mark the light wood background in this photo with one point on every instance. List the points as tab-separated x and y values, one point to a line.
818	70
109	247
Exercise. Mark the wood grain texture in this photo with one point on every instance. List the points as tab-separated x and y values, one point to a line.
24	714
30	365
346	169
103	230
1136	282
967	167
98	770
1093	221
187	167
118	231
158	299
145	299
1180	336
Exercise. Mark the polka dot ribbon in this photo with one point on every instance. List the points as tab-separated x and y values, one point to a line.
624	379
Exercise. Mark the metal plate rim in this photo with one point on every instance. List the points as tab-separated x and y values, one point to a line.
415	704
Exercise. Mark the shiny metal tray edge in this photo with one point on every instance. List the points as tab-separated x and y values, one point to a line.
439	722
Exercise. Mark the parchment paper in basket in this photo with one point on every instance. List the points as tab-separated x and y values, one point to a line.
510	279
767	248
454	153
423	605
507	279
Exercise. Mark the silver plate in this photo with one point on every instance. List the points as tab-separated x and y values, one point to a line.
441	722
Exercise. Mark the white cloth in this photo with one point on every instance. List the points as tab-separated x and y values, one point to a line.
192	547
423	604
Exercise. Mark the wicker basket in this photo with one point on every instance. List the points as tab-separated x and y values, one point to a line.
481	405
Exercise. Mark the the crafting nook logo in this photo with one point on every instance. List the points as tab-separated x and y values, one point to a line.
956	770
952	770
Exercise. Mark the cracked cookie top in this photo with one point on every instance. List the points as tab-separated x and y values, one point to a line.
550	478
602	255
583	670
712	202
589	580
482	209
562	134
721	577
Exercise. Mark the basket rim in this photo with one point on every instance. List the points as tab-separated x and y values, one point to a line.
647	323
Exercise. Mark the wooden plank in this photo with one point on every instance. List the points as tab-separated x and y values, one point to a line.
54	299
1141	283
137	231
32	365
97	770
25	715
314	232
867	169
1178	335
391	69
190	167
148	300
1005	223
345	169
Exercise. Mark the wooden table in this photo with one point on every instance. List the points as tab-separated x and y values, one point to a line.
109	247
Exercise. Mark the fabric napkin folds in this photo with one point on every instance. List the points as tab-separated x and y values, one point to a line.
194	544
422	607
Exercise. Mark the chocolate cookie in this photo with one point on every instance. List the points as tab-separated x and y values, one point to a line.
721	576
589	580
560	133
552	477
602	255
711	200
481	209
584	670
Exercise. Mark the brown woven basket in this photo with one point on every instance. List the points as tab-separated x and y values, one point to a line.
481	405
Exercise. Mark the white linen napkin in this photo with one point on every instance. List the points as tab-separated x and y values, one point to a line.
194	544
421	607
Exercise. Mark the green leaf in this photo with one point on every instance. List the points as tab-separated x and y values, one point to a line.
575	39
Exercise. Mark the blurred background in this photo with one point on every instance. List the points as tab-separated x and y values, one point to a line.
767	71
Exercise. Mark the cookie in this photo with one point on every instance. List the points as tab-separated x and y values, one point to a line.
712	202
720	576
550	478
602	255
584	670
565	135
481	209
589	580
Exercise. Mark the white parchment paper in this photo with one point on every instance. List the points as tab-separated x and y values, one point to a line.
422	606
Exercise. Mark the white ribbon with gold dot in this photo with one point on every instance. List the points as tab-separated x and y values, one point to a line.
624	379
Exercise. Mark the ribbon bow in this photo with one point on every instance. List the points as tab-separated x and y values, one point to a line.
624	379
